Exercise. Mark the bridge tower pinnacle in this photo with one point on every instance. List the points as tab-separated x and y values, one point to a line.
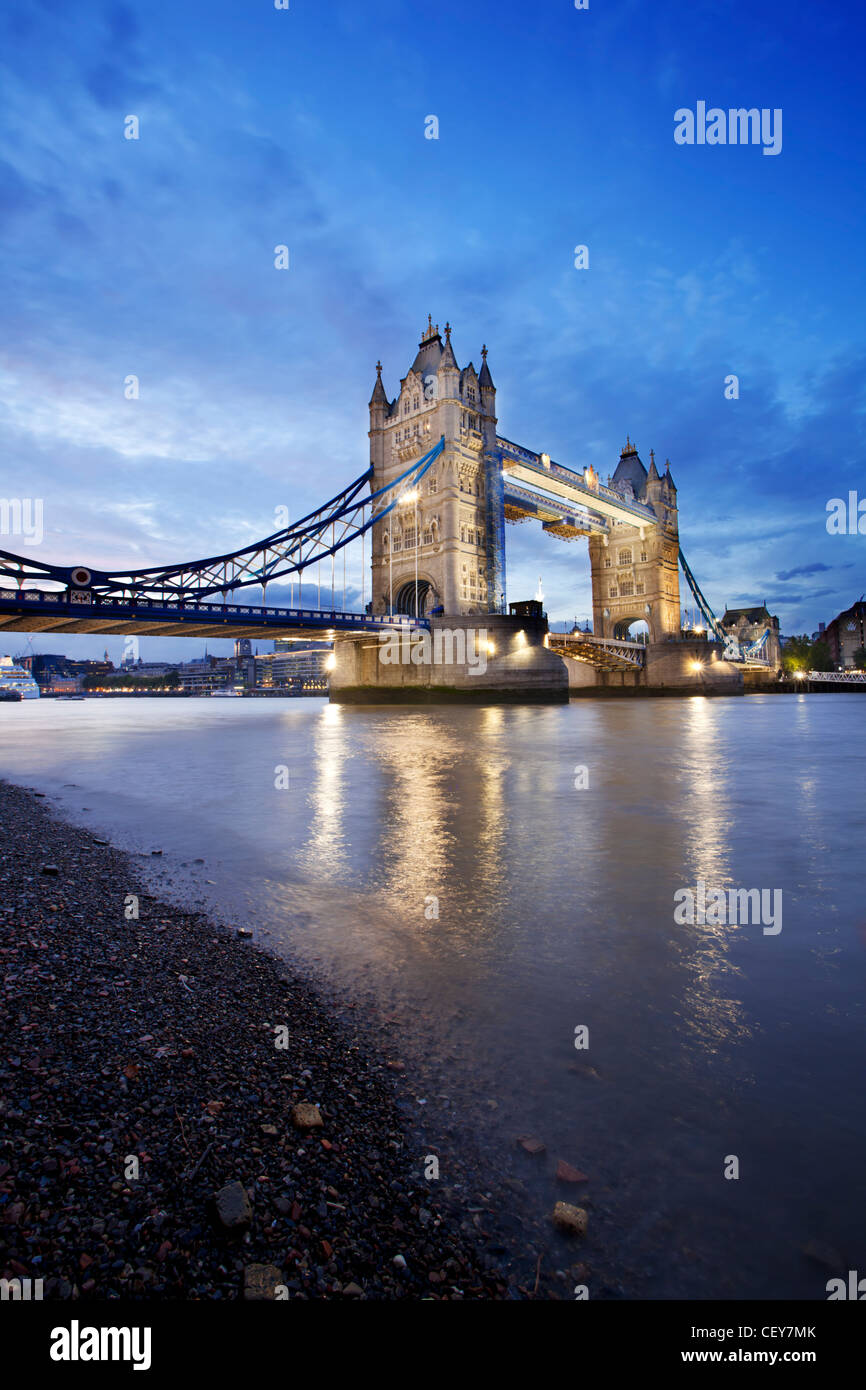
453	527
635	569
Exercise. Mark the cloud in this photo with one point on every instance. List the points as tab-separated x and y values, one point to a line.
817	568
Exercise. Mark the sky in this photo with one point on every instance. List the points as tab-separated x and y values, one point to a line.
306	127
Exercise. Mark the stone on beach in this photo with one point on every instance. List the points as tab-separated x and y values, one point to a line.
531	1145
233	1206
306	1116
570	1219
565	1173
260	1281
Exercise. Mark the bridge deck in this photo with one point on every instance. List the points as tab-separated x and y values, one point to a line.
605	653
36	610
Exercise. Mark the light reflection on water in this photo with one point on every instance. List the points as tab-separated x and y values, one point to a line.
555	908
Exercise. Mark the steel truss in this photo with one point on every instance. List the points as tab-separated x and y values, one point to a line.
319	535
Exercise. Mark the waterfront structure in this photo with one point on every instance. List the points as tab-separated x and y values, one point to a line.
443	548
15	682
290	664
433	505
846	636
55	673
635	569
147	669
748	626
206	675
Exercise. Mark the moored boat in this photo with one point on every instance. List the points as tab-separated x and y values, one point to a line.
15	682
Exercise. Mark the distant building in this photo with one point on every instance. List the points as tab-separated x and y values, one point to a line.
748	625
846	635
149	668
58	673
204	674
298	666
62	685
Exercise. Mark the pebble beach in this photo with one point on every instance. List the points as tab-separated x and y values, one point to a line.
183	1118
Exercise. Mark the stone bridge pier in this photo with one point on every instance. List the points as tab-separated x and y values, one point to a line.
483	657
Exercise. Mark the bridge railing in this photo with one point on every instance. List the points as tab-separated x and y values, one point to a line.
835	677
629	653
59	600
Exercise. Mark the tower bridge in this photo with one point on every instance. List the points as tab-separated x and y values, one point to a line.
425	528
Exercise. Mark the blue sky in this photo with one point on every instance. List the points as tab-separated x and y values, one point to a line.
306	127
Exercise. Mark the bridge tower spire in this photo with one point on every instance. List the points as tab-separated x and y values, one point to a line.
454	528
635	569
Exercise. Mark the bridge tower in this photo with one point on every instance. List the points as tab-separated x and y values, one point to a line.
635	569
459	541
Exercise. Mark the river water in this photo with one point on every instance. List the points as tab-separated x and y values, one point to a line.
487	881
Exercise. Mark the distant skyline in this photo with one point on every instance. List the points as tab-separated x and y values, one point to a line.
306	127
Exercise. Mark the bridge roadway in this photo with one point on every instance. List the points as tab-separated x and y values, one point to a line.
35	610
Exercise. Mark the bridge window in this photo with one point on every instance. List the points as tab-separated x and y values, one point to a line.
625	557
415	403
607	562
428	536
626	588
613	592
409	538
643	557
432	485
638	588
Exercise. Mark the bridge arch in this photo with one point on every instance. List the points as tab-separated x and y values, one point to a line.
404	598
636	629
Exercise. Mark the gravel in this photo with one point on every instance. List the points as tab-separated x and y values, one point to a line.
148	1146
